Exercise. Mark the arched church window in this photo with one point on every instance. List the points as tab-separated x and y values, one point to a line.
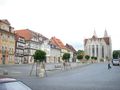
93	50
97	50
103	51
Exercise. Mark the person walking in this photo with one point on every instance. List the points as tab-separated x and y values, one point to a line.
109	66
64	65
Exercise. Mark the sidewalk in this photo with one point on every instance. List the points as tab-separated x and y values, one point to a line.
59	66
53	71
24	69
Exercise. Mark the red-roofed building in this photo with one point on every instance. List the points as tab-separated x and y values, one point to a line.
59	44
34	41
72	52
55	53
19	49
99	47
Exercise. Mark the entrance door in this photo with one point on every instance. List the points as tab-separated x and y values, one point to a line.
3	59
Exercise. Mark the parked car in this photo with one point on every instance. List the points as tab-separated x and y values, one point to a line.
116	61
12	84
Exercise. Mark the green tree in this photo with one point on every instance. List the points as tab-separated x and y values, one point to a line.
66	57
79	57
87	57
80	52
39	58
116	54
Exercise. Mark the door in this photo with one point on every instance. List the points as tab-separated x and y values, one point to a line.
3	59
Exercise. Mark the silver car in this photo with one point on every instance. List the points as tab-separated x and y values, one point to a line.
12	84
116	61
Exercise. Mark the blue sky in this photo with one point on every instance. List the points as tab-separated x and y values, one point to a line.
69	20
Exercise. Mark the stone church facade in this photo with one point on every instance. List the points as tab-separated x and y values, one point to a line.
99	47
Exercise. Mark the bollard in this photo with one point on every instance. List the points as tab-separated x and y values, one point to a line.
42	73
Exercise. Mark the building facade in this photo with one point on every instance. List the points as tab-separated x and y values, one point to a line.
33	41
57	42
55	52
45	46
19	49
7	42
72	52
99	47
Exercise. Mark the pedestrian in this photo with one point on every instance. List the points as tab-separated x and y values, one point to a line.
64	65
109	66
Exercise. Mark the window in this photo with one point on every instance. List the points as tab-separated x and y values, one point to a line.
89	49
97	50
103	51
2	48
93	51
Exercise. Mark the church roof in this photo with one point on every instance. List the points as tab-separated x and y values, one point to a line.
106	39
94	37
85	41
105	33
94	34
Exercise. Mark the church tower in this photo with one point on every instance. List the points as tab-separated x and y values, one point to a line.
105	33
94	34
100	47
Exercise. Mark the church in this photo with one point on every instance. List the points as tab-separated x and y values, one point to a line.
99	47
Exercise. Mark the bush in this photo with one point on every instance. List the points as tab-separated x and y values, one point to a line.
87	57
92	57
95	58
79	57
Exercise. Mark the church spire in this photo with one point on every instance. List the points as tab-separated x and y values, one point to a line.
95	33
105	33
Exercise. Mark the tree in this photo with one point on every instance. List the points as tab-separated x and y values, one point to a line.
87	57
80	52
39	58
66	57
116	54
79	57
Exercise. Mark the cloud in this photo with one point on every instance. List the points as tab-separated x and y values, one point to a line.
69	20
3	2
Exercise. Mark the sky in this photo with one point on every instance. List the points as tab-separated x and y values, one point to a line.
69	20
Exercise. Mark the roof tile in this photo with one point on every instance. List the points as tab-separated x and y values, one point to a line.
57	42
24	33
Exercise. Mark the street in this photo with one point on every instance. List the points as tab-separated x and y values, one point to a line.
92	77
